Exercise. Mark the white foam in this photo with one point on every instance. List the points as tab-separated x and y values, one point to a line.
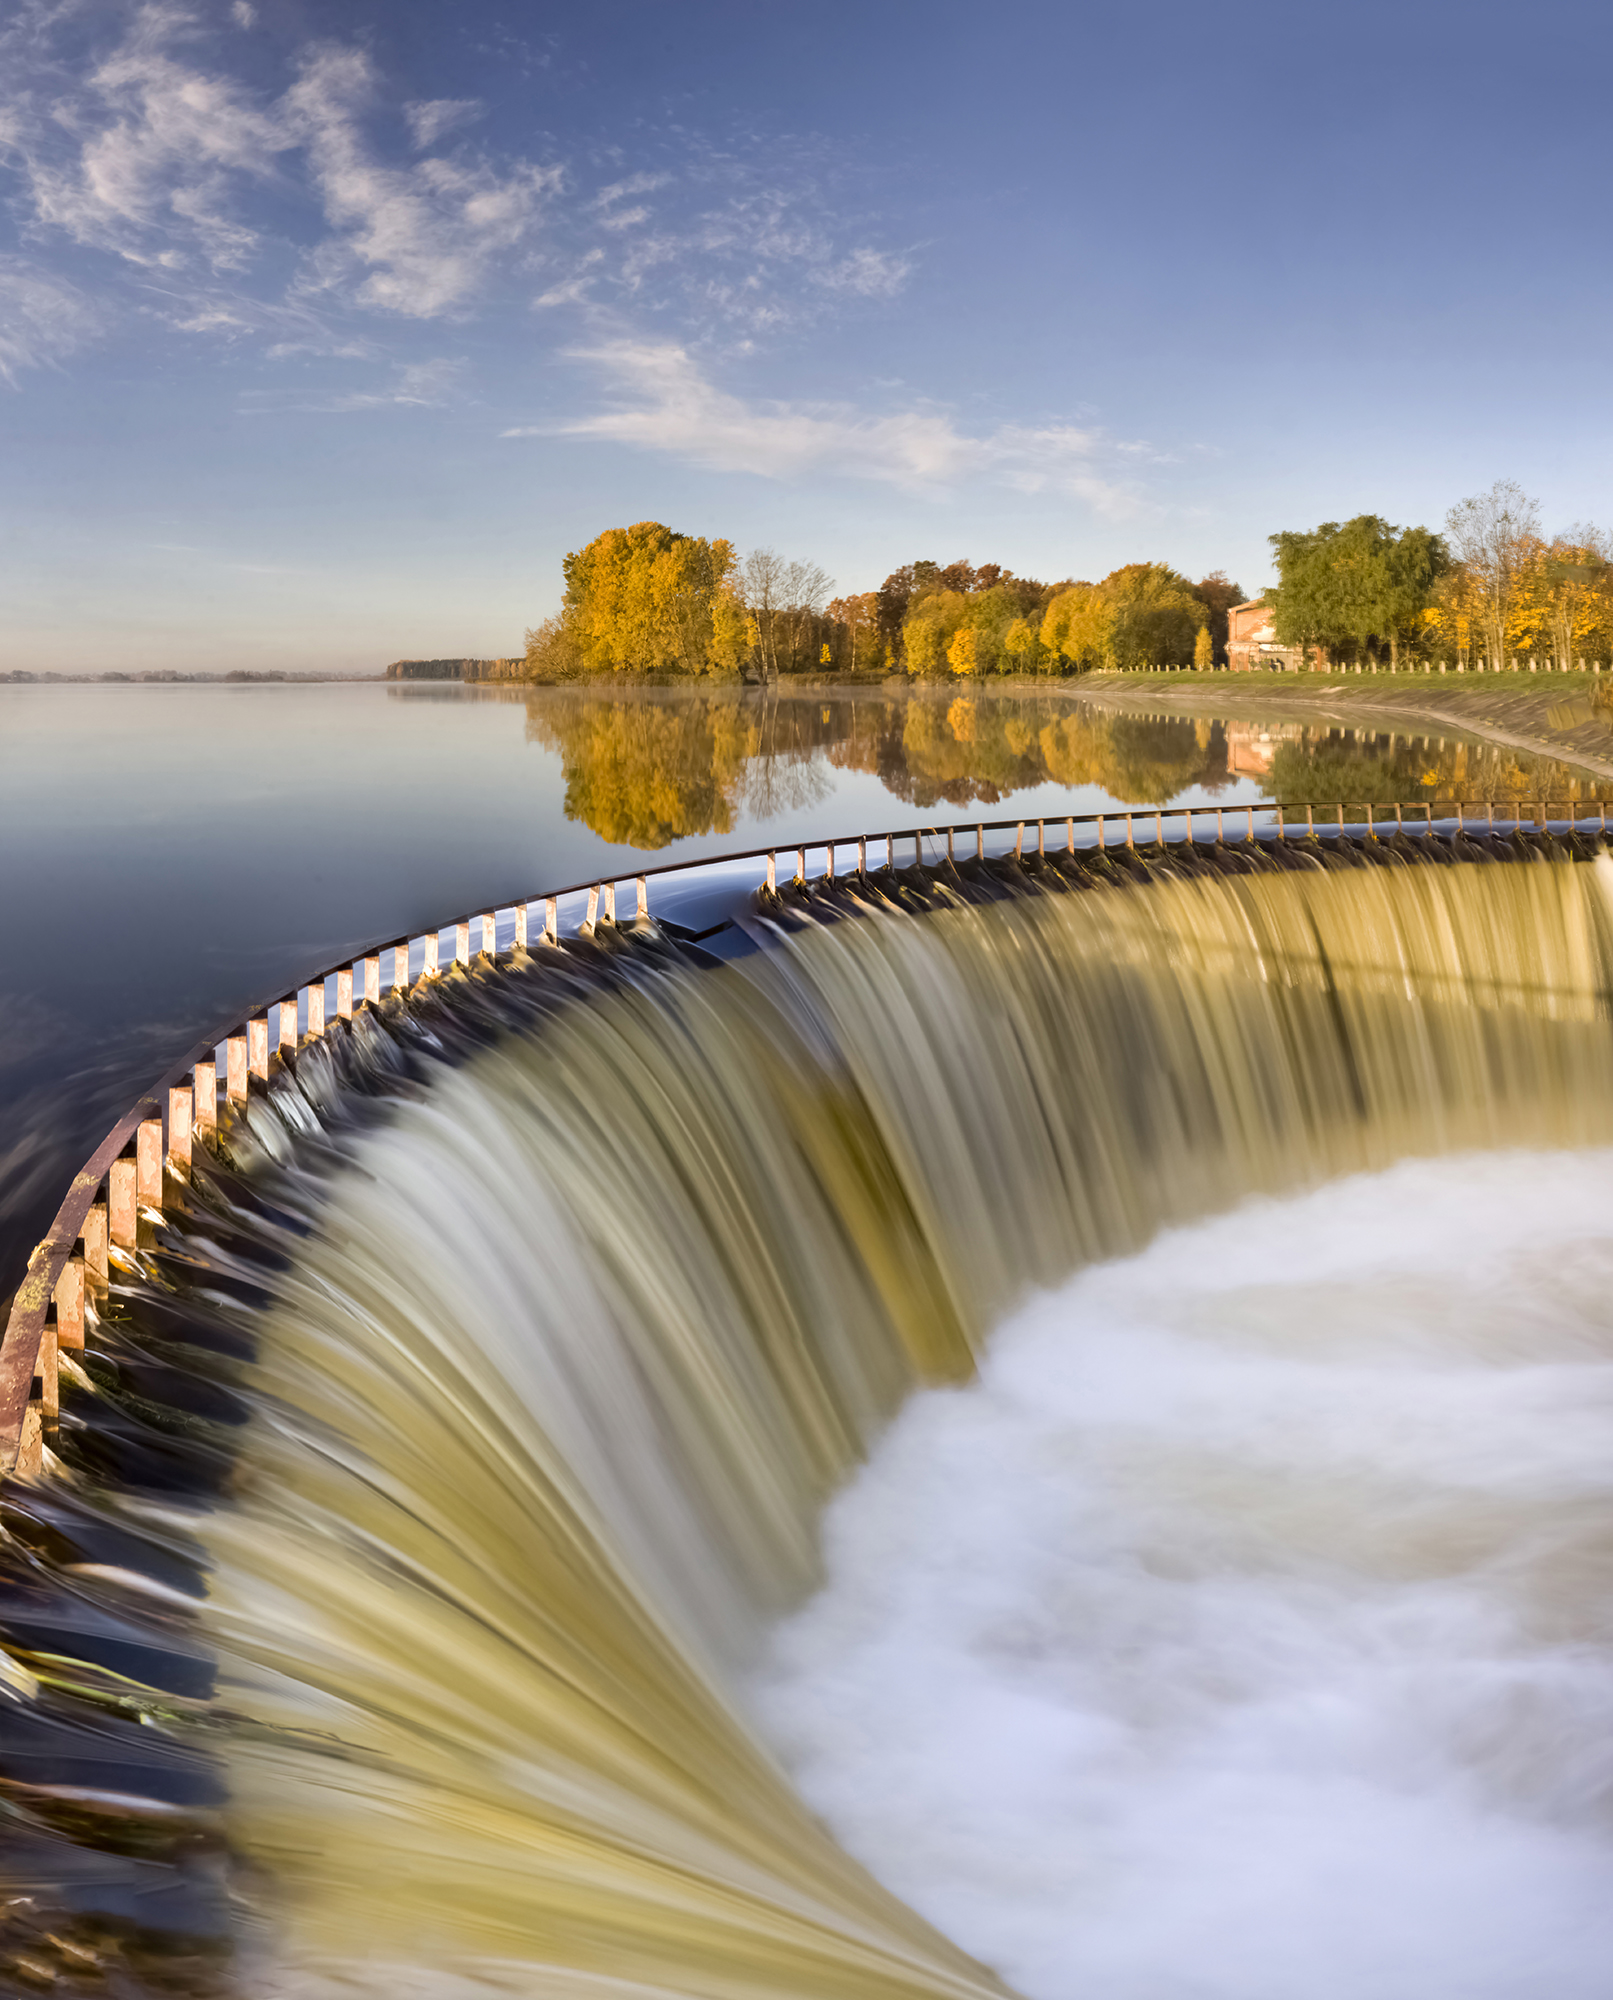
1246	1632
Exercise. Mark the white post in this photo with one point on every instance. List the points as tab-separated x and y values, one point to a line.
204	1113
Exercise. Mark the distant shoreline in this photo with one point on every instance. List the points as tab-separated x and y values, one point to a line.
169	677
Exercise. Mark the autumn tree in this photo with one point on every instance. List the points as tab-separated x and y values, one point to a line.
1203	650
1078	626
1491	536
857	618
641	599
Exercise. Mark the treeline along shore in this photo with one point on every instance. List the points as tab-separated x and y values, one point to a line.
1491	592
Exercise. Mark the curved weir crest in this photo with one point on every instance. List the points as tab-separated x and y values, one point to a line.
543	1317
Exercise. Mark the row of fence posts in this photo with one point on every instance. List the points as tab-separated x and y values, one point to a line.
134	1184
1516	666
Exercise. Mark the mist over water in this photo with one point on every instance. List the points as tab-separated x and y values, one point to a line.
1244	1630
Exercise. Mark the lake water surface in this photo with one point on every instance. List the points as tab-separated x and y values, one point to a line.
172	855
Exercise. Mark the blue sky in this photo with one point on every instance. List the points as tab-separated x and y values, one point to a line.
326	329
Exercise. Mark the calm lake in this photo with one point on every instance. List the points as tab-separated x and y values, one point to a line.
171	855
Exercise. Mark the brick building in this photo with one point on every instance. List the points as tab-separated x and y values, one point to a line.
1251	642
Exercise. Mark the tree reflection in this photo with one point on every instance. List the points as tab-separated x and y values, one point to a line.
643	771
648	768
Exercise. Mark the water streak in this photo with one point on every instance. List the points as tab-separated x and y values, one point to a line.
569	1348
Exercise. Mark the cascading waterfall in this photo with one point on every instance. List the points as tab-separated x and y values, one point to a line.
554	1358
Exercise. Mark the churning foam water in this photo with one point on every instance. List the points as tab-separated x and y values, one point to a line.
1246	1631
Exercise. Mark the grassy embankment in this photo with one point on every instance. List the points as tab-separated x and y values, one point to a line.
1566	716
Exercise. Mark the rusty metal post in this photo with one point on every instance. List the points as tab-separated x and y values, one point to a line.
400	968
257	1047
609	897
829	871
800	864
204	1111
772	873
1131	832
862	854
1103	838
1310	823
69	1297
551	920
47	1369
890	850
1019	841
1159	825
462	943
950	849
1251	823
344	993
1069	835
1220	824
1041	840
1282	824
593	907
520	926
316	1007
288	1023
980	843
236	1068
433	950
489	933
180	1106
122	1212
372	979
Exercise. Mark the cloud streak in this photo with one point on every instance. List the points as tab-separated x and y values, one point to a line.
42	320
664	403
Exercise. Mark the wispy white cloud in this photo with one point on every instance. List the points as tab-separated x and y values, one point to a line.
663	402
431	121
142	159
417	240
42	319
634	184
419	385
153	155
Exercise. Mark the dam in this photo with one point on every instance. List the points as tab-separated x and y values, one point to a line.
491	1443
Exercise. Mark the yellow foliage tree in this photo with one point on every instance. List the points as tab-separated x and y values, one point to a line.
930	628
1078	627
1203	651
963	653
642	599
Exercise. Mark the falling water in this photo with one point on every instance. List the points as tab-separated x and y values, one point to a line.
560	1307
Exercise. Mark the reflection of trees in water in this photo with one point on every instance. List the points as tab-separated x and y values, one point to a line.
1323	766
643	772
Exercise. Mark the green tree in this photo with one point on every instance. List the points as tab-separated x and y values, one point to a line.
1357	588
1156	616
